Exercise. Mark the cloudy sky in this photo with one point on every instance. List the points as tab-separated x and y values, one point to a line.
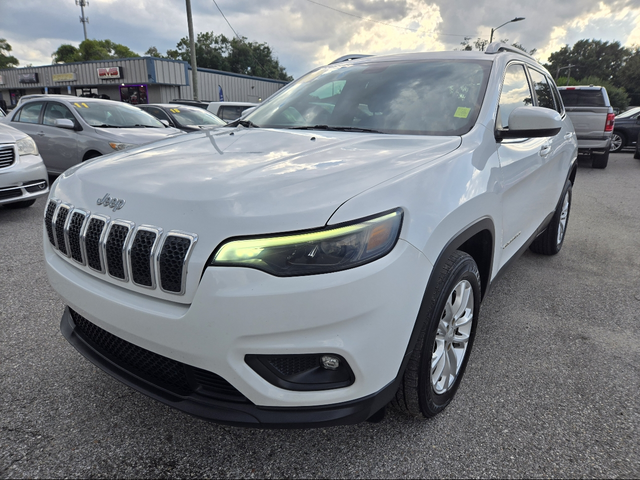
308	33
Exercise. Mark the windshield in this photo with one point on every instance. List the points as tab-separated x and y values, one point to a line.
115	114
420	97
629	113
195	116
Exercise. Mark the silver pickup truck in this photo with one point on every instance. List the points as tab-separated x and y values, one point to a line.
590	111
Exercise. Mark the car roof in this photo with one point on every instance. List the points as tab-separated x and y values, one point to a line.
237	104
580	87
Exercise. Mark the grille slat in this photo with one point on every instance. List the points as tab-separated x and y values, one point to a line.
114	250
144	256
7	157
61	218
48	221
75	229
92	243
172	257
162	371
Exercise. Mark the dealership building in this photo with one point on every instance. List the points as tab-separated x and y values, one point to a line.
134	80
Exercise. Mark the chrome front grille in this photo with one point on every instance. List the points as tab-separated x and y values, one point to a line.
7	156
142	255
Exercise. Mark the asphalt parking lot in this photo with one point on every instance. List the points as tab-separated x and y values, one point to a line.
552	388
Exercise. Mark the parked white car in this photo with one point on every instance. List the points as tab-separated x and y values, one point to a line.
229	111
23	176
325	255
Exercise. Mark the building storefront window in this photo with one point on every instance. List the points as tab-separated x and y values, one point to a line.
134	94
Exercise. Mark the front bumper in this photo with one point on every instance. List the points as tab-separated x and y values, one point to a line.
26	179
365	315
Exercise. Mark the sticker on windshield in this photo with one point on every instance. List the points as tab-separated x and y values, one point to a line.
80	105
462	112
174	110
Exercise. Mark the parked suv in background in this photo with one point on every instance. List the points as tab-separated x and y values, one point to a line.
69	130
590	111
626	129
325	255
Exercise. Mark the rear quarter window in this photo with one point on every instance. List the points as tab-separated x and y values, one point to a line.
582	98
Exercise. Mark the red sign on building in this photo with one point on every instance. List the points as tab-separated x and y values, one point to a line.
109	72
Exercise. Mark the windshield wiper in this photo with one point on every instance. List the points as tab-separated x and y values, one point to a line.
104	125
335	129
244	123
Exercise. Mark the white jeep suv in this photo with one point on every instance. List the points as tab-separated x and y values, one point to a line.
325	255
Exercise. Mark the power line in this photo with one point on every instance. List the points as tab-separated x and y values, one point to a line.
225	19
375	21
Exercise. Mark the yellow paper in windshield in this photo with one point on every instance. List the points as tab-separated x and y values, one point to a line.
175	110
462	112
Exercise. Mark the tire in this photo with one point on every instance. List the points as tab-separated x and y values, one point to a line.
600	161
636	155
422	394
23	204
90	155
551	240
618	142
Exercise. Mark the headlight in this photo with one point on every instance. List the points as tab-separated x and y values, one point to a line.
322	251
120	146
26	146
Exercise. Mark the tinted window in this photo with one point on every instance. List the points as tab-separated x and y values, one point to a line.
582	98
419	97
231	113
55	111
543	90
556	96
156	112
30	113
196	116
515	93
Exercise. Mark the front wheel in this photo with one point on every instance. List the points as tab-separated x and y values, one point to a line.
442	351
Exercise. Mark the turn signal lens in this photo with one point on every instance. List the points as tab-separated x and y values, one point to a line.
328	250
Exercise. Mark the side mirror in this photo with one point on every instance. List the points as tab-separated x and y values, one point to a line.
247	112
165	123
531	122
64	123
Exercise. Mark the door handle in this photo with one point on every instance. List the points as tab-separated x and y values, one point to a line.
544	150
568	135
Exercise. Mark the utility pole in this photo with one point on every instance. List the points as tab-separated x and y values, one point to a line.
84	20
194	64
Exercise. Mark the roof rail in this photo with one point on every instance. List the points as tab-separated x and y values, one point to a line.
497	47
346	58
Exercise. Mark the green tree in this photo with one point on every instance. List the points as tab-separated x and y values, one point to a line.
481	44
92	50
628	76
153	52
231	55
6	60
590	58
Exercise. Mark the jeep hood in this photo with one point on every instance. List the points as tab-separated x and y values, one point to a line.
245	181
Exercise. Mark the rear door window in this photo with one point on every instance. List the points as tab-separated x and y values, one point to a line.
542	89
582	98
30	113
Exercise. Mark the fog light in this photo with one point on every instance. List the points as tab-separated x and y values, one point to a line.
330	362
303	372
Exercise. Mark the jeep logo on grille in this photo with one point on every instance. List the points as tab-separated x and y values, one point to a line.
111	202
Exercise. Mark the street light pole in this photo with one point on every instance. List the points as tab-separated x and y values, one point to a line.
192	41
84	20
517	19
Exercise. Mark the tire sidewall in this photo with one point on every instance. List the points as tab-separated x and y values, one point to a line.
430	401
556	217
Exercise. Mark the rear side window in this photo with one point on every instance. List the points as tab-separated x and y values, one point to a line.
231	113
30	113
543	90
515	93
582	98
